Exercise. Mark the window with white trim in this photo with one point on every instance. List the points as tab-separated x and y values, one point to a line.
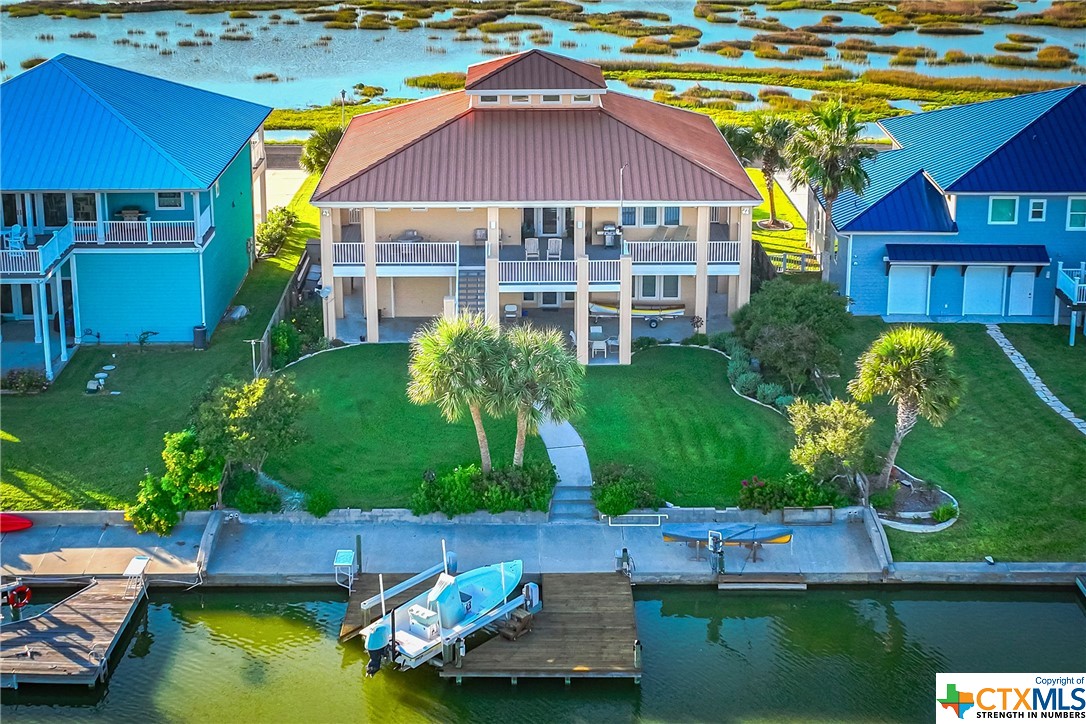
1038	209
582	98
488	99
519	99
1003	210
714	214
216	189
552	98
1076	213
649	216
169	200
664	286
671	216
629	216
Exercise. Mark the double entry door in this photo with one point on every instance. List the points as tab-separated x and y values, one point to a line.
546	221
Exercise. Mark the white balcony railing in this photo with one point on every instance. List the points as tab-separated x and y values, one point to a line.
136	232
39	259
396	252
348	252
537	272
1072	282
604	271
681	252
724	252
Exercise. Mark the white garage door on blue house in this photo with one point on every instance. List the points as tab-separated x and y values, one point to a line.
908	290
984	288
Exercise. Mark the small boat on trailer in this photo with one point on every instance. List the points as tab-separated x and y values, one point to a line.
414	633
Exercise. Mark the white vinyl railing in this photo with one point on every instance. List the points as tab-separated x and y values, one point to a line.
348	252
663	251
417	252
135	232
606	270
537	272
38	260
1072	282
724	252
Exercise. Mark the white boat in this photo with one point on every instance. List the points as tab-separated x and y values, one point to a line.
413	633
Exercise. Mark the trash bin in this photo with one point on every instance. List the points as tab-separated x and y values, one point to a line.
199	337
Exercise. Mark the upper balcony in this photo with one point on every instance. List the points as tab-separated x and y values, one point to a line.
144	233
1072	283
406	257
26	256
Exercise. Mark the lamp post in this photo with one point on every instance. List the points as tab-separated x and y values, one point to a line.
342	108
621	196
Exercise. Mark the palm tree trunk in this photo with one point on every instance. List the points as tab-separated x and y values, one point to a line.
906	420
522	434
222	484
480	433
768	174
827	228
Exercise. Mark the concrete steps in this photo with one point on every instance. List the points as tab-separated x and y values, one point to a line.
572	509
471	289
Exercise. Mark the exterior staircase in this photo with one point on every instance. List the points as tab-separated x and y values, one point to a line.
572	502
471	289
572	496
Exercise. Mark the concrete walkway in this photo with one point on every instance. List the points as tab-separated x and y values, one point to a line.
798	195
282	185
1034	380
572	499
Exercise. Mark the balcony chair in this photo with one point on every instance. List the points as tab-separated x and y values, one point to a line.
16	238
599	346
658	234
531	248
554	249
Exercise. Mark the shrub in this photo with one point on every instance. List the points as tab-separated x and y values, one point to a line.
768	392
643	343
24	380
747	383
733	347
885	499
244	493
719	341
736	368
944	512
308	320
466	489
698	340
320	502
617	489
795	490
286	345
783	402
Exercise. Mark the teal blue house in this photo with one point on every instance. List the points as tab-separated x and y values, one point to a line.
977	214
129	207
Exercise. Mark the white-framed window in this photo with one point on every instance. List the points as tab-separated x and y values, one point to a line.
1076	213
488	99
671	216
714	214
570	296
818	220
216	189
664	286
629	216
649	215
582	98
170	200
1003	210
552	98
1038	209
520	99
529	296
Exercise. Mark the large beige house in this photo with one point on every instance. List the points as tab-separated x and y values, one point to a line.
535	193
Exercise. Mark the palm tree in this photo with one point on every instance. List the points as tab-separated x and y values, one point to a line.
318	148
914	366
771	135
742	145
453	364
540	379
827	152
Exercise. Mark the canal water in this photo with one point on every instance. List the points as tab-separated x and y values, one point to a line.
846	654
313	72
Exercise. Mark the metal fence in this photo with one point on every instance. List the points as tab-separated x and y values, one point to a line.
287	302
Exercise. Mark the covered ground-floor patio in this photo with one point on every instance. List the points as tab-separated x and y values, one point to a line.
19	350
39	321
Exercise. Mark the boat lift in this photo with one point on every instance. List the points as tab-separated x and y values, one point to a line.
448	565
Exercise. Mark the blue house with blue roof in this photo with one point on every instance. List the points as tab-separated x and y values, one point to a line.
977	213
128	208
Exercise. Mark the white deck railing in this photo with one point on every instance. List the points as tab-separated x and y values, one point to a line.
1072	282
135	232
723	252
606	270
537	272
39	259
397	252
682	252
348	252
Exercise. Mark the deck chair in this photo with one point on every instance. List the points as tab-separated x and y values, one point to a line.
531	248
682	233
658	233
17	238
669	235
554	249
512	311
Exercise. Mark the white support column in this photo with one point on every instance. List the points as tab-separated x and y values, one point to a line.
101	210
701	268
263	195
625	310
327	273
58	302
580	231
746	250
491	306
77	319
197	232
581	309
43	305
337	295
38	312
369	240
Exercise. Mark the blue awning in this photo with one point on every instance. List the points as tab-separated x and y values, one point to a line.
961	254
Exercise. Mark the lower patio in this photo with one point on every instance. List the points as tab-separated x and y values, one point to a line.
19	350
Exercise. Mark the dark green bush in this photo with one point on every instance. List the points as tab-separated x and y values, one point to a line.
286	345
24	380
782	402
733	347
643	343
944	512
308	320
736	368
795	490
320	502
699	339
768	392
719	341
466	489
747	383
884	499
244	493
618	489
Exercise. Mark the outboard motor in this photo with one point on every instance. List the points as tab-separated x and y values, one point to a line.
378	646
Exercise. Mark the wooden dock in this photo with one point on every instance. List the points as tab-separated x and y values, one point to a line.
366	586
70	643
586	629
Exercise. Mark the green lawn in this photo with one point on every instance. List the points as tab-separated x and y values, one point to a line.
64	449
1013	464
673	414
1062	367
793	241
368	445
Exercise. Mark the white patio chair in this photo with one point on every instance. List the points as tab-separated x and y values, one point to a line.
554	249
531	248
599	346
512	311
17	238
595	330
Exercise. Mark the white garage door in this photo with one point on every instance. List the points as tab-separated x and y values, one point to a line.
908	292
984	290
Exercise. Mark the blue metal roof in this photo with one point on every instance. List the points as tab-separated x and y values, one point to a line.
914	205
73	124
1023	254
1016	135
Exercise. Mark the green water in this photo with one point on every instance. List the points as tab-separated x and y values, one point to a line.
824	655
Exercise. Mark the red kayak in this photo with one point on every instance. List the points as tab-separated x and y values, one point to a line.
9	523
